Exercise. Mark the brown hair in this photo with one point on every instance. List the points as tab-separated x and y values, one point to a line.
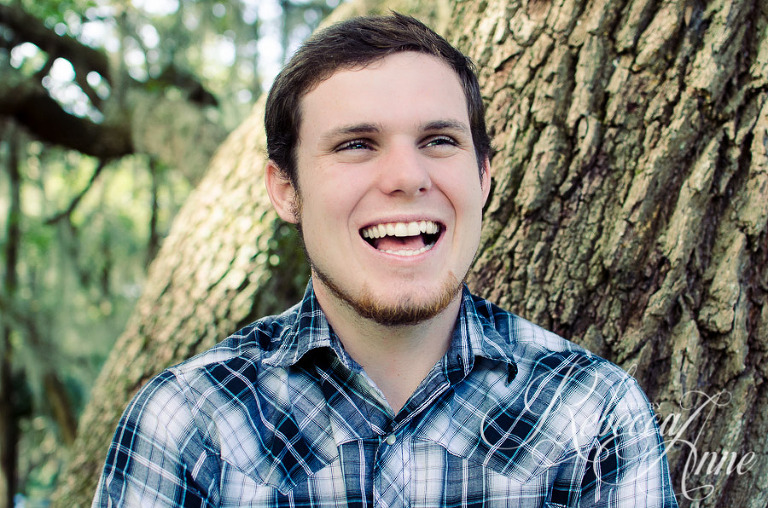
353	43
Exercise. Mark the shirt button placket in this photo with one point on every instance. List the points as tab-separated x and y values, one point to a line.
379	497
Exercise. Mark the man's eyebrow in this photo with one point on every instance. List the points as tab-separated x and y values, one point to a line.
439	125
358	128
372	128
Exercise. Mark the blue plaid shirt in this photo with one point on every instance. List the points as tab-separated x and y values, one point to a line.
279	414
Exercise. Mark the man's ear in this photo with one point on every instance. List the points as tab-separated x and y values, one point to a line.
485	182
281	192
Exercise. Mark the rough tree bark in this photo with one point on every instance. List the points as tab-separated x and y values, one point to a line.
628	214
630	204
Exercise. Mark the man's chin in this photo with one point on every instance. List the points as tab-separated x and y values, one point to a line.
403	310
408	310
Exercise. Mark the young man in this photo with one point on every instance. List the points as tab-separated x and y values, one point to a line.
389	384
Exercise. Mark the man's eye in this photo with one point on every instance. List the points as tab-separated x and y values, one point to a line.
355	144
441	140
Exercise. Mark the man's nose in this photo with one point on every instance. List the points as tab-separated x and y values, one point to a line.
404	171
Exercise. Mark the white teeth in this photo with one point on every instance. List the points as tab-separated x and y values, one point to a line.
401	229
410	252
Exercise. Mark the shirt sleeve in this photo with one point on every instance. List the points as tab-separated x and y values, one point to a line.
627	464
158	456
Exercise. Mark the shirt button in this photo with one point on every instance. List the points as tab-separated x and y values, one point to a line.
390	439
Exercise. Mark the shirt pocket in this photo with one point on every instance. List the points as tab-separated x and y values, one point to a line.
445	477
324	487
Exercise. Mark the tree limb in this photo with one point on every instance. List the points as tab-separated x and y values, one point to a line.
30	105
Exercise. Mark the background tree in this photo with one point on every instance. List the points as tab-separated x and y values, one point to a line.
630	206
628	214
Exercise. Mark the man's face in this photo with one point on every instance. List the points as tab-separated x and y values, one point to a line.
390	194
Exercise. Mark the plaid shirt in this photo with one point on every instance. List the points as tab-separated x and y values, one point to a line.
279	414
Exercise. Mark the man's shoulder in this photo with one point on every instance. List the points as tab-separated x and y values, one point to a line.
539	348
219	376
519	331
250	343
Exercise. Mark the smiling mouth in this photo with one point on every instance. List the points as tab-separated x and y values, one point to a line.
403	238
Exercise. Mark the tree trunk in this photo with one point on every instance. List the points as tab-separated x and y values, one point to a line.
629	208
9	415
628	214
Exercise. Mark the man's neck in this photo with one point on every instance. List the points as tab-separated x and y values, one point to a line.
396	358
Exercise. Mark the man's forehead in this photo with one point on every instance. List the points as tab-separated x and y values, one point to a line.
430	62
371	64
419	86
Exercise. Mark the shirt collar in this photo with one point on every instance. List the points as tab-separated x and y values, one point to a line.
306	329
474	334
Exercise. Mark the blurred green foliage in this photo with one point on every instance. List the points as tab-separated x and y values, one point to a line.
88	228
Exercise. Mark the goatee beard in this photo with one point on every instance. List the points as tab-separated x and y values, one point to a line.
405	312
